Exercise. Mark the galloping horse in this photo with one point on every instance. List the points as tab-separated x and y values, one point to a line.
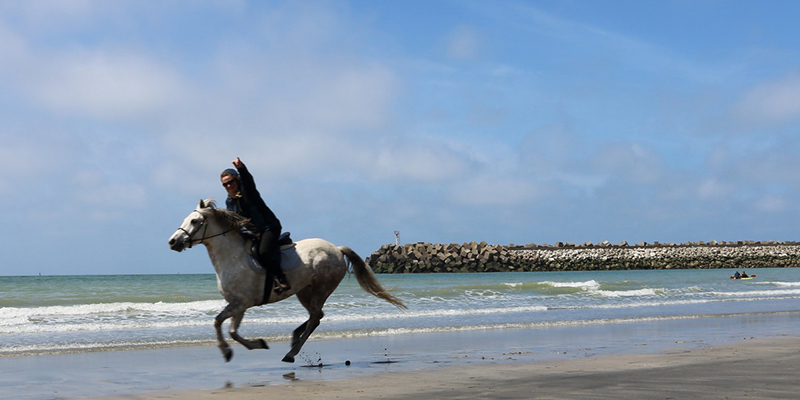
314	267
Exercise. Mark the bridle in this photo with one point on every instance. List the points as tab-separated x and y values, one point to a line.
192	240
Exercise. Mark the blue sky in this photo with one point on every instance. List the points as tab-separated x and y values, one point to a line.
502	121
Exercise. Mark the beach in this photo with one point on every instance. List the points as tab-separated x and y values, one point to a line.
754	368
764	369
733	356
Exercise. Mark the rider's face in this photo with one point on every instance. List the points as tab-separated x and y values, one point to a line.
230	184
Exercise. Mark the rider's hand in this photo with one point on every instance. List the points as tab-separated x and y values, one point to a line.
238	163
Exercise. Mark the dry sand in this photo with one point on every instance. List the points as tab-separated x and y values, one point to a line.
753	369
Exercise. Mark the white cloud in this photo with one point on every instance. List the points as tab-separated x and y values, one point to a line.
497	190
550	149
713	189
12	48
105	84
24	161
287	114
629	162
464	43
771	103
48	12
592	42
416	161
102	196
771	204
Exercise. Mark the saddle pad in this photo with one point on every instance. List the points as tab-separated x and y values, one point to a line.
289	260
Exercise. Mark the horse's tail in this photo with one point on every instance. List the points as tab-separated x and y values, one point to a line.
366	278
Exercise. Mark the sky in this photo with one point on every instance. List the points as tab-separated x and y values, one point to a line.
508	121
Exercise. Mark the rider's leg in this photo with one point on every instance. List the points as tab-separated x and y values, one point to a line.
271	254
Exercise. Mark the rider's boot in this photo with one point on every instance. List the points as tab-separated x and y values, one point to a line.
281	286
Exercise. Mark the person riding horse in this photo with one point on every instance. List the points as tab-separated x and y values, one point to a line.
318	266
244	199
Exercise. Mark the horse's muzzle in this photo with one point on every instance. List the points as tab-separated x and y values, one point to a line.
177	243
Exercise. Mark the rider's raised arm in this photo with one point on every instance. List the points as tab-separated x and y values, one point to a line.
248	182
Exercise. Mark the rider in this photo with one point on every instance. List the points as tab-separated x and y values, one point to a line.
244	199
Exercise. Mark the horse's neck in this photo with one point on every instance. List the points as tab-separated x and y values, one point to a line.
225	248
236	281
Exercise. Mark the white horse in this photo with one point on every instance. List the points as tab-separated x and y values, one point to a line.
314	268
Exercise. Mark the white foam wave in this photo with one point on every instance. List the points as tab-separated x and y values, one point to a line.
587	285
759	293
86	325
516	325
106	317
485	293
101	326
408	314
131	316
10	314
781	284
627	293
58	348
50	348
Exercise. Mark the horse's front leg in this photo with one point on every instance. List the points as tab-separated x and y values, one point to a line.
236	320
221	343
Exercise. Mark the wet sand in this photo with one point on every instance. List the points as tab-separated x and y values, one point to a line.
733	356
755	368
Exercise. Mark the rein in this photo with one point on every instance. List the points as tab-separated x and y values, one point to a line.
192	240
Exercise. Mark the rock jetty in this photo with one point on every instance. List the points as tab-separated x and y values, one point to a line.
483	257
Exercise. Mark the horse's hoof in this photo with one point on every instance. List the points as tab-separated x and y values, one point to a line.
264	344
288	359
228	354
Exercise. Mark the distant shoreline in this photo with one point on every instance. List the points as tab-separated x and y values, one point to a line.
483	257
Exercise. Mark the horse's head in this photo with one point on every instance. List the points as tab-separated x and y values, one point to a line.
194	227
207	222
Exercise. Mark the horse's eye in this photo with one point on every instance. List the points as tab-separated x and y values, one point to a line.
194	221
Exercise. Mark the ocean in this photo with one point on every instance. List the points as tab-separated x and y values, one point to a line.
45	315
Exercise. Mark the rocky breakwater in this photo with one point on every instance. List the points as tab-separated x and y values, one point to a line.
482	257
427	257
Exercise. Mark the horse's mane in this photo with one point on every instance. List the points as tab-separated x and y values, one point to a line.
230	218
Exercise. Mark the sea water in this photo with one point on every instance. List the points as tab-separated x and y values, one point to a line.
74	314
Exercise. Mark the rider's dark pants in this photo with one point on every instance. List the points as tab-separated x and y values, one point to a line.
270	253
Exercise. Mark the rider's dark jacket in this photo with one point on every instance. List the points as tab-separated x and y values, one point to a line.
251	205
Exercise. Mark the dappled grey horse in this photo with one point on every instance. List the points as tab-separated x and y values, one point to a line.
314	267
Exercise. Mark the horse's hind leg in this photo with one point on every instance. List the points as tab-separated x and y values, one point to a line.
300	336
236	320
297	332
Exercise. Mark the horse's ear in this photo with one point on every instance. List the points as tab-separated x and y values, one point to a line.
202	204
